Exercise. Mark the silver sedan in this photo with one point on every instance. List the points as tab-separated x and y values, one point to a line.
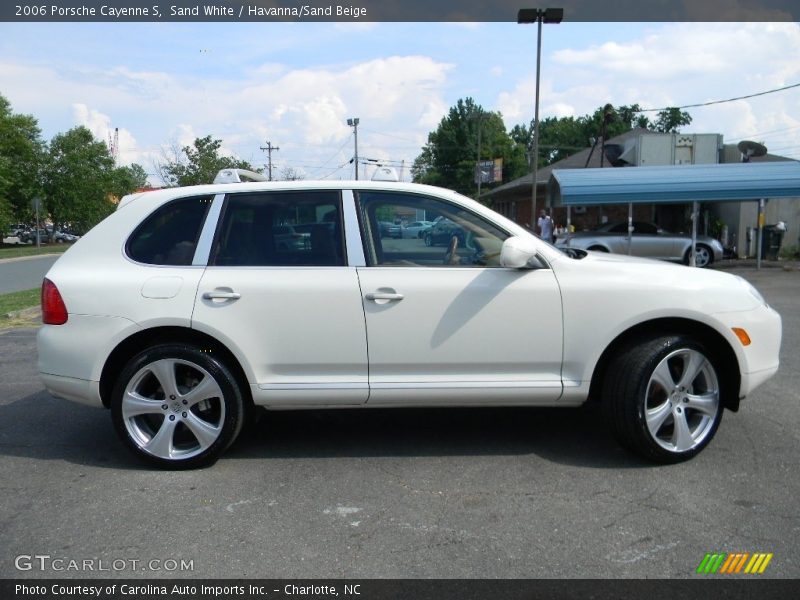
648	240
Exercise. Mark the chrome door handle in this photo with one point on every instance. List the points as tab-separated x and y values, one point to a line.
222	295
383	296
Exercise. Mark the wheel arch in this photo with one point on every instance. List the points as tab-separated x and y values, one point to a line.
135	343
723	353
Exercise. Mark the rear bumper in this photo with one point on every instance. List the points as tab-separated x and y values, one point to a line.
69	388
72	356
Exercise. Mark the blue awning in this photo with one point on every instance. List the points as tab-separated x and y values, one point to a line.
730	182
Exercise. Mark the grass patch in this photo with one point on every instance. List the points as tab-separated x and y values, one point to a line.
14	250
18	300
22	322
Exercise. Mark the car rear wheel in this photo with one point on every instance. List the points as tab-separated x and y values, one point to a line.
598	249
703	256
177	407
661	398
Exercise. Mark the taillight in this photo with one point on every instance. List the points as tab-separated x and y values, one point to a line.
54	311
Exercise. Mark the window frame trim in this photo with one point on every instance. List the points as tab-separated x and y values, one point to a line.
214	248
367	232
203	250
126	245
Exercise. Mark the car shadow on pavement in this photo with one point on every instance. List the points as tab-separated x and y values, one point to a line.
41	427
45	428
570	436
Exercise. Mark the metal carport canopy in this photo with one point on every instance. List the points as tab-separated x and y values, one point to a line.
732	182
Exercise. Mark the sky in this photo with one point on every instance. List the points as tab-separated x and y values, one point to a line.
296	84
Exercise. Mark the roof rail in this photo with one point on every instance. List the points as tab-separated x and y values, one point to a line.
238	176
383	173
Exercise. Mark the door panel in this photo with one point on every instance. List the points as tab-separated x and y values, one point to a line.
300	329
462	335
278	291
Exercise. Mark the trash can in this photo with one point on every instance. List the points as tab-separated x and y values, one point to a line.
771	239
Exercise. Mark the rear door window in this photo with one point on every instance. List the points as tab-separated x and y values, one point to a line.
281	229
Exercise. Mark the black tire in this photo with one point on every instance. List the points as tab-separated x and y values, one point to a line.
705	250
632	395
429	240
219	414
598	249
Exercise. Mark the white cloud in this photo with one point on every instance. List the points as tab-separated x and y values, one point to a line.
294	108
102	129
673	65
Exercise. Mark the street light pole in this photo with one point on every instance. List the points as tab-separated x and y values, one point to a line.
538	16
354	124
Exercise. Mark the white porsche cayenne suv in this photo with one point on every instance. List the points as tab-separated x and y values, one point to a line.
185	310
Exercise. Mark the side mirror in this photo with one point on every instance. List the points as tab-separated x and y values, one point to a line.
519	253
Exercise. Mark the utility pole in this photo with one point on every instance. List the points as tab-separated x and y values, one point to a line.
269	148
354	124
478	170
538	16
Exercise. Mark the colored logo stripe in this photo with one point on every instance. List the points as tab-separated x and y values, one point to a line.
731	563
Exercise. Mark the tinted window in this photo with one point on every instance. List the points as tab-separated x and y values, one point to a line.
169	236
648	228
619	228
456	238
281	229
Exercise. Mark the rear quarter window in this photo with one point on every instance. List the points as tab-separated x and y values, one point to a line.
169	235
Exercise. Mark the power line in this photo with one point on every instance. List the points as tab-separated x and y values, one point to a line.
337	152
788	87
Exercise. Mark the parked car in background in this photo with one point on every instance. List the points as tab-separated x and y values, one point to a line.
416	229
177	314
28	236
390	230
287	238
63	237
648	241
442	231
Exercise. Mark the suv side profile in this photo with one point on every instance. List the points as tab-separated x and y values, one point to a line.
187	309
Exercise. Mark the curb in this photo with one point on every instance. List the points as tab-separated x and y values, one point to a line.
750	263
32	257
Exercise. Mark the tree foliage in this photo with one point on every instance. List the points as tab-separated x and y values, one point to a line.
291	174
80	179
448	158
197	164
128	179
561	137
21	154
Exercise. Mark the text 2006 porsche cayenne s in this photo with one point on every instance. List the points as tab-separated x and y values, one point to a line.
183	311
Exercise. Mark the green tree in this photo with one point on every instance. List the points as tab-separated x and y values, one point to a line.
561	137
22	151
670	119
79	180
448	159
197	164
128	179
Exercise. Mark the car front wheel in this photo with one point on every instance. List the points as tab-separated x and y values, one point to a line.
662	398
177	407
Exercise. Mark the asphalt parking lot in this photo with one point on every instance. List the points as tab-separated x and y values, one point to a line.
404	493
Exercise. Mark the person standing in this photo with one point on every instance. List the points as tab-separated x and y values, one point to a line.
545	224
